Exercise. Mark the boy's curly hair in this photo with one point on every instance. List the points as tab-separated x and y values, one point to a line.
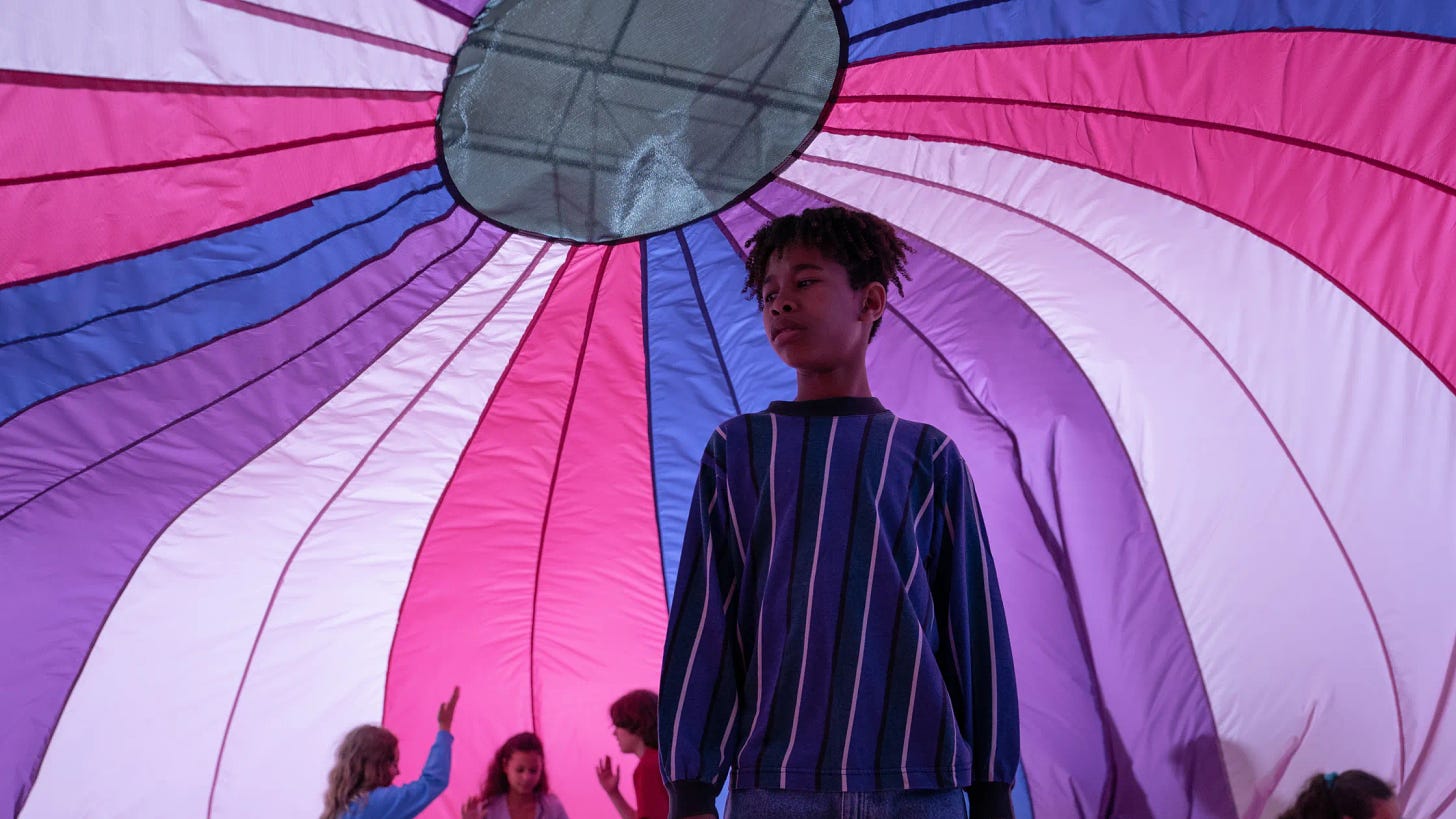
865	244
636	711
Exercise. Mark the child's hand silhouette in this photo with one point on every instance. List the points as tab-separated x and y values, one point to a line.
609	778
474	808
447	710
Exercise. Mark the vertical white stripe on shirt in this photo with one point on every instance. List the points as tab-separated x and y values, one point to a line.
955	741
910	576
925	504
728	732
773	522
865	622
954	655
938	450
732	513
955	660
910	713
697	639
915	551
733	516
809	609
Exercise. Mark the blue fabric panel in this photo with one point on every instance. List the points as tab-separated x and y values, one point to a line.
64	303
758	375
1021	796
687	388
47	365
889	27
707	360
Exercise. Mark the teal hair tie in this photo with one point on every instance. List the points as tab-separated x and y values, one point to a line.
1330	779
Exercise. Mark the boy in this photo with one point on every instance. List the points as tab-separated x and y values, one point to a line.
837	635
634	724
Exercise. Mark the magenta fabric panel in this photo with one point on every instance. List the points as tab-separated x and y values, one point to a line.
1331	206
86	126
59	224
539	581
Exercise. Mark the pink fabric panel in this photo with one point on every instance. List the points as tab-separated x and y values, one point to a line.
1379	235
212	43
66	128
1349	91
510	595
407	22
69	223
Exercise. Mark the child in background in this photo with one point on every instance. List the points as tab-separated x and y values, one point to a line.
1348	795
515	784
361	783
634	724
837	636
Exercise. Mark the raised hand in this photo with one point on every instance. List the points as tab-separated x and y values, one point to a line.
447	711
609	778
474	808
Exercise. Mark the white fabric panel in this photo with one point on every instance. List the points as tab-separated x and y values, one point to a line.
198	42
408	21
160	683
1371	427
1259	574
323	653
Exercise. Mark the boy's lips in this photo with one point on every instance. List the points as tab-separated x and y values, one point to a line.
780	329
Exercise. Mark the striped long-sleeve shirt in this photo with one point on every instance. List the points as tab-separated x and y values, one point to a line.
836	624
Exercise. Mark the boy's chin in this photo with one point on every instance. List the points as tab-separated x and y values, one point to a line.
796	360
805	365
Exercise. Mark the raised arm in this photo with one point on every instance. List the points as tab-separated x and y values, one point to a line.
405	801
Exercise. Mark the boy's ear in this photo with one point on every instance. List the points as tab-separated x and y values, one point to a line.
872	301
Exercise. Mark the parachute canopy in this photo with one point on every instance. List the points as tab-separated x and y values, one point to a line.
305	419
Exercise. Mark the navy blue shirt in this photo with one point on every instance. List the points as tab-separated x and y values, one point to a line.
836	624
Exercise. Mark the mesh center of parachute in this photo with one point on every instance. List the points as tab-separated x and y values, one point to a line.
602	120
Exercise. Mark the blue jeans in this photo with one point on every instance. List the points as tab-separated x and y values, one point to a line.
767	804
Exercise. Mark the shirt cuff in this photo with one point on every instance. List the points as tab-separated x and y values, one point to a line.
690	797
990	800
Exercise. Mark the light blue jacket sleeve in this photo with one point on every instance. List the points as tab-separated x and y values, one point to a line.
407	801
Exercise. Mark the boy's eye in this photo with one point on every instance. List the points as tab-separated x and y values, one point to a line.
806	282
768	297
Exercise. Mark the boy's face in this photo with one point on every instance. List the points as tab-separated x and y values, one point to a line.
814	319
627	742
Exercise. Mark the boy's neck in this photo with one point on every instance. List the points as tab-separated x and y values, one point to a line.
852	383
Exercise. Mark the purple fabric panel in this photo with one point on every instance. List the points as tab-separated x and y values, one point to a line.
1061	724
469	9
57	438
1082	571
69	554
